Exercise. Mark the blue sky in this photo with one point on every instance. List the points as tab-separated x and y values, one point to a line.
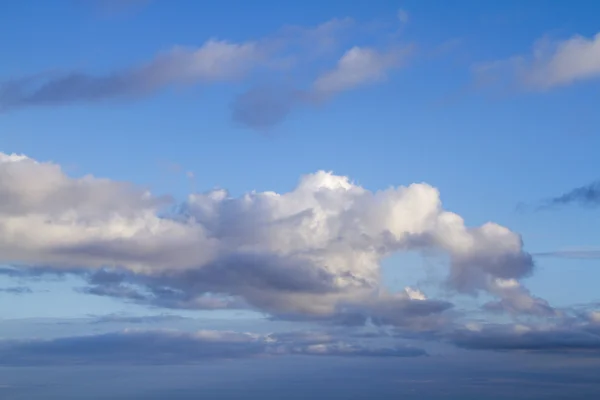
487	107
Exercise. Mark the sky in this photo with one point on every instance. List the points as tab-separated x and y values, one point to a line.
369	199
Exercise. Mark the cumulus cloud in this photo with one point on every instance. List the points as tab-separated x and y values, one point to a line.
313	252
551	64
176	347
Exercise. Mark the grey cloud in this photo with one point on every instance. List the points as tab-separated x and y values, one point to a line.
143	319
214	61
130	347
144	347
588	195
16	290
508	338
293	50
154	292
581	254
534	307
516	300
473	270
263	107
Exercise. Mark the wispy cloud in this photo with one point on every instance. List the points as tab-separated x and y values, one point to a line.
580	254
290	52
16	290
263	107
551	64
588	195
214	61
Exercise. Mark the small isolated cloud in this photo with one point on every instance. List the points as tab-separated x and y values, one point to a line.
264	106
403	16
149	347
551	64
588	196
579	254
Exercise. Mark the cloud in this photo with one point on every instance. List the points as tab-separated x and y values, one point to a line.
357	67
16	290
403	16
581	254
313	252
214	61
517	300
145	347
551	64
295	54
556	339
262	107
265	106
588	195
134	319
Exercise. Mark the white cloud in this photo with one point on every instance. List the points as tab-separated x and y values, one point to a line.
215	60
551	64
358	66
564	62
314	251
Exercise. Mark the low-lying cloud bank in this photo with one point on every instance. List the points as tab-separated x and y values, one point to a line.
175	347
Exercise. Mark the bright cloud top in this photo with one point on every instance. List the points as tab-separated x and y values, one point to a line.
314	251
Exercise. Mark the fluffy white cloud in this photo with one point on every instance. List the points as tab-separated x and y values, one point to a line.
314	251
